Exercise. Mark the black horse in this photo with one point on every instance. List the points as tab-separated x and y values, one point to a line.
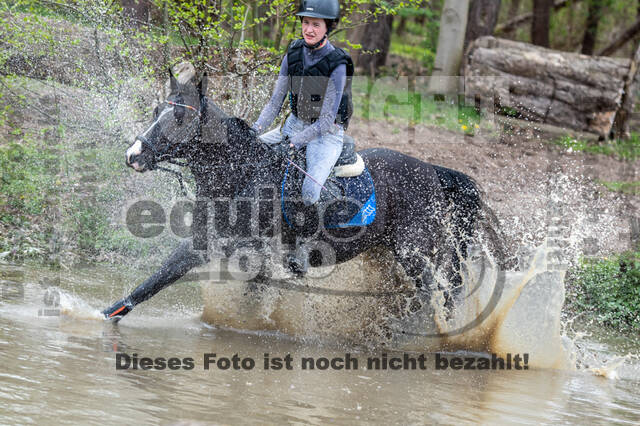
426	215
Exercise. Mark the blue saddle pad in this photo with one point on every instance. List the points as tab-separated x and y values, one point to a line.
355	207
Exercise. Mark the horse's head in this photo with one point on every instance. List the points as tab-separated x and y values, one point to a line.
177	122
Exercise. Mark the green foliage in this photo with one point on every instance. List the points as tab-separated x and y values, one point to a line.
24	179
628	149
608	291
211	32
419	39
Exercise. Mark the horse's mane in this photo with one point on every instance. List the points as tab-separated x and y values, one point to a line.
238	131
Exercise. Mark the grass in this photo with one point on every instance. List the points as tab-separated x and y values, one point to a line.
608	291
622	149
630	188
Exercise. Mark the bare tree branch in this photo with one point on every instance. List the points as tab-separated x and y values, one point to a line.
621	40
526	18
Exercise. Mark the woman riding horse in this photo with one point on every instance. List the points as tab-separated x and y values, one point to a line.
426	215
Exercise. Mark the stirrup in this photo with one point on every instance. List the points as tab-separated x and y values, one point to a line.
298	261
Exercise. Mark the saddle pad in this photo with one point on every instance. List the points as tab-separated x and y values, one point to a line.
356	207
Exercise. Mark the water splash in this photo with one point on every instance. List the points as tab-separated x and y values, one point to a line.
368	301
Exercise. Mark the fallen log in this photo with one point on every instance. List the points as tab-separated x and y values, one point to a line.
564	89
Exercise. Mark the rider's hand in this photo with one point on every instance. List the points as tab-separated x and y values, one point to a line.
285	147
253	133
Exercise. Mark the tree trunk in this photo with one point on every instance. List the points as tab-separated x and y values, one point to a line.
137	10
516	21
514	8
621	124
622	39
453	23
541	21
375	38
591	31
482	19
402	25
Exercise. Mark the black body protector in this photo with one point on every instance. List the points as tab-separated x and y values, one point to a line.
307	86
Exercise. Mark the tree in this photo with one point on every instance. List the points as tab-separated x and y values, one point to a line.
621	40
594	15
375	39
138	10
514	21
514	8
541	21
621	123
482	20
453	23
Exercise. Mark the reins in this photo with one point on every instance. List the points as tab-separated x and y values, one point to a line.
201	116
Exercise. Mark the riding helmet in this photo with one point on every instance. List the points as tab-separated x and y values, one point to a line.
327	10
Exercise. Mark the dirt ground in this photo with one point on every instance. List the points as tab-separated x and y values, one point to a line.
537	190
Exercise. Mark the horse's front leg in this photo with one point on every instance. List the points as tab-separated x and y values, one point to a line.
181	261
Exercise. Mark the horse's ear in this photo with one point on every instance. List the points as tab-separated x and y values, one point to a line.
173	82
202	87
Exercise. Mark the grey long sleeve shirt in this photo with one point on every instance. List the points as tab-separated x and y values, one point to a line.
330	104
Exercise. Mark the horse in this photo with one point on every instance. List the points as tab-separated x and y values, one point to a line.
426	215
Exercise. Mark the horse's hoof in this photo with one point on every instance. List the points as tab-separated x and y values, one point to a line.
118	310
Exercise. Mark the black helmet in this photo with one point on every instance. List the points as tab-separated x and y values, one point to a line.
329	10
326	9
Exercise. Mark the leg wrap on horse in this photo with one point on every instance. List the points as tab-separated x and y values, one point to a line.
181	261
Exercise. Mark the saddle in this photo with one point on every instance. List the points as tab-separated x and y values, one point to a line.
349	164
349	198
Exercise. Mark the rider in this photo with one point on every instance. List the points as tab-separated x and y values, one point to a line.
316	75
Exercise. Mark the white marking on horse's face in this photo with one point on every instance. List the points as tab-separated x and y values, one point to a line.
135	149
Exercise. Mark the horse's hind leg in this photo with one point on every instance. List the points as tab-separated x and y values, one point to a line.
181	261
432	264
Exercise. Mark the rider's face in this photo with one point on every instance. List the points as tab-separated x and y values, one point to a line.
313	29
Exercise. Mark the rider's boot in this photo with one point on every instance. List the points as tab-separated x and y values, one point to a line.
118	310
299	260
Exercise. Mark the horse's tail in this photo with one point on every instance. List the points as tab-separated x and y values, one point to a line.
474	216
461	190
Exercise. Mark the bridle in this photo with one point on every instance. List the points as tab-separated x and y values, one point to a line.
167	153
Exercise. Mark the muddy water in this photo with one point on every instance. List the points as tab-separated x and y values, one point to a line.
58	365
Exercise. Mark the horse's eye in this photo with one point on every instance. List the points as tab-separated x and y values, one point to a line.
155	113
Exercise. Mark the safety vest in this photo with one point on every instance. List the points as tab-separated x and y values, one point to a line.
307	86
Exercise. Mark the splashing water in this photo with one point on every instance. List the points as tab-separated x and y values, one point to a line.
369	301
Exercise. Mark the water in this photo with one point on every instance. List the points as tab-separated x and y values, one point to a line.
59	362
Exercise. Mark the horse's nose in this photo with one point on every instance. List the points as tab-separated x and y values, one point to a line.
132	159
128	160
